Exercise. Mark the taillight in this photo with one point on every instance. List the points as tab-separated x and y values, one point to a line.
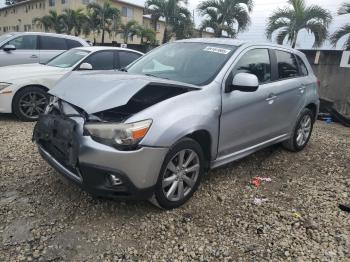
318	83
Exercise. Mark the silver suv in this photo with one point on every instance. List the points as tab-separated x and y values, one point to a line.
184	108
31	47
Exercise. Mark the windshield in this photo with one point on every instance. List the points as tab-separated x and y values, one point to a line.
193	63
68	58
4	37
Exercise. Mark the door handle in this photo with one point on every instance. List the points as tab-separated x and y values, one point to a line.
271	97
302	89
33	56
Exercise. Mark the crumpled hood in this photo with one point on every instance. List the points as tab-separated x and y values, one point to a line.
26	71
100	91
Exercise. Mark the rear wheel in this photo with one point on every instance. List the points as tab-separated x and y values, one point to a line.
29	103
180	174
302	132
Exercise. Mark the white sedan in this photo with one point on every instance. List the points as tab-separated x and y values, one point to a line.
23	88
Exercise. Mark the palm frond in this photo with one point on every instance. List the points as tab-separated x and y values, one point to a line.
341	32
344	9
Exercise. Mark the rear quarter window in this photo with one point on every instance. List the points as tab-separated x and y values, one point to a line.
303	68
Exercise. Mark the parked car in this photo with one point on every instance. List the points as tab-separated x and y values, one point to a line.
34	47
23	88
183	108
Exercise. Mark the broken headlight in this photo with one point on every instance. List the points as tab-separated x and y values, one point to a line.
122	136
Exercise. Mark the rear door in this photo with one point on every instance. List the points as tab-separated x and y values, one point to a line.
125	58
50	47
289	90
26	51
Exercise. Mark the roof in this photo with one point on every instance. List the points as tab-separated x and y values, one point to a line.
44	33
223	41
102	48
28	1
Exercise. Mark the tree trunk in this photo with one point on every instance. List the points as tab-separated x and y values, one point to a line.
165	36
103	36
295	39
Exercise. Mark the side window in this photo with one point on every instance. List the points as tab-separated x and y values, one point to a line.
72	43
256	62
303	68
126	58
26	42
101	60
52	43
287	65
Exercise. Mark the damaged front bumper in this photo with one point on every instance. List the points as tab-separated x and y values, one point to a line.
91	165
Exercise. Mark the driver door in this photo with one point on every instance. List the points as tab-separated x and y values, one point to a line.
246	119
26	51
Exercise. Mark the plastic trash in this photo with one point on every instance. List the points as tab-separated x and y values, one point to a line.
328	120
296	215
258	201
256	181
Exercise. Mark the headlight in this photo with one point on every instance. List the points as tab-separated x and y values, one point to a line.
3	85
121	136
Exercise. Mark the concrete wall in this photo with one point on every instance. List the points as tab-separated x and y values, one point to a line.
333	70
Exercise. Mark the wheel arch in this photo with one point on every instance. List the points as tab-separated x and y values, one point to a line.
203	138
313	108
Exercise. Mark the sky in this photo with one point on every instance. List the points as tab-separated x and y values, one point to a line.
264	8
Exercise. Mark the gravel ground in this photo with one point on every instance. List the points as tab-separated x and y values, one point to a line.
45	219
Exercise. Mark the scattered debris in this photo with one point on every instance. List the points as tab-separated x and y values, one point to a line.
296	215
256	181
259	201
345	208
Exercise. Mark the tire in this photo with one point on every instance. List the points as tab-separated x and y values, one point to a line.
169	181
29	103
294	143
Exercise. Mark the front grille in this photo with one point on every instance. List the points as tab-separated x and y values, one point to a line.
58	136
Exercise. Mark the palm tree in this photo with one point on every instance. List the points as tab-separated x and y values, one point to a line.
73	19
148	35
183	26
344	30
52	21
229	16
91	25
290	20
106	14
170	10
129	29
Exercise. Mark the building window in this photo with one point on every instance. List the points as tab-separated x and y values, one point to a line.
64	2
127	12
51	2
86	2
158	27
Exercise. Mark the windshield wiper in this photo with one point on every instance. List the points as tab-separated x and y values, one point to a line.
156	76
123	69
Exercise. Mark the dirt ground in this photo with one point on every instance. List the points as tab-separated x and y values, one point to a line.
45	219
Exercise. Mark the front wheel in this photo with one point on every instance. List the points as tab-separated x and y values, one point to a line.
29	103
302	131
180	175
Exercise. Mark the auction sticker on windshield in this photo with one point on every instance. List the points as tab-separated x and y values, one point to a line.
217	50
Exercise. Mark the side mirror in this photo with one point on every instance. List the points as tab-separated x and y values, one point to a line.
85	66
8	48
244	82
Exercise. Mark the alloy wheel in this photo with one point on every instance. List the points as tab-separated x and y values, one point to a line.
32	104
181	175
304	130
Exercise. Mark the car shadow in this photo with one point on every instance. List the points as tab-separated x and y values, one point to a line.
8	117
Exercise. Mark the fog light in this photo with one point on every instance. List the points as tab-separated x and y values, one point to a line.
115	181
